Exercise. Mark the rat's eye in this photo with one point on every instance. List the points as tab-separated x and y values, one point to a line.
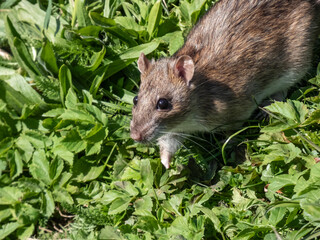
163	104
135	100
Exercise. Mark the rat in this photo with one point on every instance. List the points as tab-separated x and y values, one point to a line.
239	53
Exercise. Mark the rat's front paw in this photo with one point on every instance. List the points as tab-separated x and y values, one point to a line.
165	158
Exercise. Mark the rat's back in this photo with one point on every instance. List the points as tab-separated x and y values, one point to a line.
249	44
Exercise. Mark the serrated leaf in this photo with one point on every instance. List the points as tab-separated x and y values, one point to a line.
76	115
109	232
146	173
37	139
143	206
25	232
128	187
73	142
129	23
112	195
97	114
56	168
53	112
96	134
92	149
62	196
10	195
7	229
313	118
48	205
40	168
64	153
148	223
212	216
5	145
311	210
119	205
84	171
15	163
175	41
293	110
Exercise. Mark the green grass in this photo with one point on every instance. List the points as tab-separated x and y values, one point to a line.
68	168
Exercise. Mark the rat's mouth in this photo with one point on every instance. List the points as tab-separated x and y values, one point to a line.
144	136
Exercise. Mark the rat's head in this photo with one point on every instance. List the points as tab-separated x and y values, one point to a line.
164	99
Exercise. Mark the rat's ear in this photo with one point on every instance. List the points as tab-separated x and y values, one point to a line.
184	68
143	63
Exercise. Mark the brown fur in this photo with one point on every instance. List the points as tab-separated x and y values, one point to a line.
243	51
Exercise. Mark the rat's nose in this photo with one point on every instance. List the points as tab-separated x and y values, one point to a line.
137	136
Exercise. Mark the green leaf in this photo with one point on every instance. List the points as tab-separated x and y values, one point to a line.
54	112
311	210
281	181
10	195
20	84
92	149
62	196
122	34
25	232
148	223
175	41
93	63
77	115
134	52
73	142
15	163
128	187
19	50
276	215
12	97
5	145
109	232
80	13
65	79
146	173
101	21
129	23
97	82
48	15
47	57
83	171
212	216
154	18
56	168
37	139
119	205
40	168
8	228
292	110
47	204
63	152
143	206
71	99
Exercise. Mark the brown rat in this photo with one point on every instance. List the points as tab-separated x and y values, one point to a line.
238	54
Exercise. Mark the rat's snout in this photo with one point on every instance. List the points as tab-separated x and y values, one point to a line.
137	136
135	133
